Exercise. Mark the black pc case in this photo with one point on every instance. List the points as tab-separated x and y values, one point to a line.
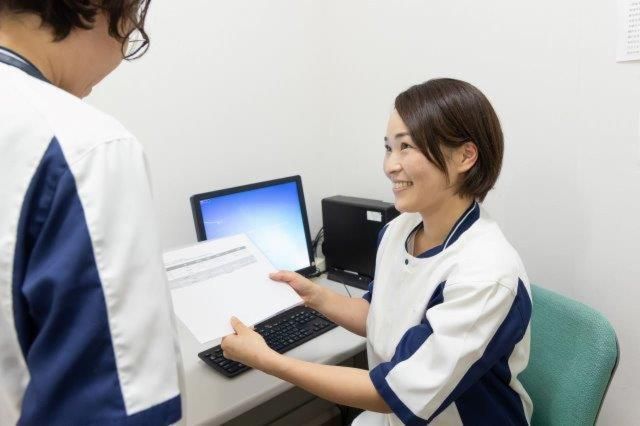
351	228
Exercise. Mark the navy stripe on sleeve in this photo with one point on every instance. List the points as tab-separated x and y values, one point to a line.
484	391
410	342
60	311
369	293
397	406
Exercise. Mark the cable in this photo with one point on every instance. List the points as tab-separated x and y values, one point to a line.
314	245
346	287
316	240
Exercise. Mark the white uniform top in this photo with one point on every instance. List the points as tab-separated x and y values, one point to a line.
86	329
448	331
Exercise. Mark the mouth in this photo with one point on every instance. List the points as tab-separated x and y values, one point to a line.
401	185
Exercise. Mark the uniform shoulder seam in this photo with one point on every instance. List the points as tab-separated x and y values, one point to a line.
498	283
99	144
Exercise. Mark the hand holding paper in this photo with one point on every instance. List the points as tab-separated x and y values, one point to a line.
246	346
310	292
214	280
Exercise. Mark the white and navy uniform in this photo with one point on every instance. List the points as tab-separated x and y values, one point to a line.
448	331
86	328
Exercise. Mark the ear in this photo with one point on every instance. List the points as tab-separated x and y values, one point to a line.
466	157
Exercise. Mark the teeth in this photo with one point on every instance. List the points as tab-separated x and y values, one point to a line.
401	185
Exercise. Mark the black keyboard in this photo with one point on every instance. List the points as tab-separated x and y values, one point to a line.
282	333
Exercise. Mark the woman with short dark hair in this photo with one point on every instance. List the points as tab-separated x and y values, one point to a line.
86	328
447	316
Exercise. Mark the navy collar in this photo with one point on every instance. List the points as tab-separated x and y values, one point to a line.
464	222
14	59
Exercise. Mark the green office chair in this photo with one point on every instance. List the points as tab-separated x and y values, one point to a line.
574	354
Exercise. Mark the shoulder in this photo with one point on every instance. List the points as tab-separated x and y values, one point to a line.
485	255
77	126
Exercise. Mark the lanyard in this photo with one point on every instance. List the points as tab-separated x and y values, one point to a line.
12	58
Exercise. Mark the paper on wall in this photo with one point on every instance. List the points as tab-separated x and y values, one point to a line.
628	48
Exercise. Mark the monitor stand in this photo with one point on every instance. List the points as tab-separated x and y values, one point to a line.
349	278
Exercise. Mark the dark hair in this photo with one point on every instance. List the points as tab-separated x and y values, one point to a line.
449	112
65	15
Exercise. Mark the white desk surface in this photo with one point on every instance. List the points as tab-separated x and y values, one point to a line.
210	398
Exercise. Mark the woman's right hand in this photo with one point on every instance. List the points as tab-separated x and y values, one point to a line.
310	292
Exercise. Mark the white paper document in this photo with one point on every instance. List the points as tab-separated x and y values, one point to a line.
628	30
216	279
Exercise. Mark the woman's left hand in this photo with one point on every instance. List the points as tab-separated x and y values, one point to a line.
246	346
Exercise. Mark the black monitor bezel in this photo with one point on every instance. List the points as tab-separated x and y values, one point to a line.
199	223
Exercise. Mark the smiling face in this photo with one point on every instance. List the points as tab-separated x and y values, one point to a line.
418	185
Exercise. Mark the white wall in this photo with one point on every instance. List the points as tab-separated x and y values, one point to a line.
237	92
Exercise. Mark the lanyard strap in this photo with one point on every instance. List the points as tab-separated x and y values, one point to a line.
13	59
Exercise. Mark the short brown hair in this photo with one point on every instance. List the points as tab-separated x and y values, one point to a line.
65	15
449	112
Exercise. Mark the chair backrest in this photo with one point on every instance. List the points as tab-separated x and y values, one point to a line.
574	354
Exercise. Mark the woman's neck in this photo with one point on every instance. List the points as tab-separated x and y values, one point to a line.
58	61
437	223
25	35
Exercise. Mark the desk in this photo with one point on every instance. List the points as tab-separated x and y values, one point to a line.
210	398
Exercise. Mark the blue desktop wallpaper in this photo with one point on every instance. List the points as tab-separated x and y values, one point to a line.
270	217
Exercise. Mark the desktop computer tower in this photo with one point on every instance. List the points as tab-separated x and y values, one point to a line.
351	228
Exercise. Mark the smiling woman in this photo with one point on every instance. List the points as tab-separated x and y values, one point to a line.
447	316
443	115
444	149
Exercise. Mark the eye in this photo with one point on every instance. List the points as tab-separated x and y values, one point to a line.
387	148
404	146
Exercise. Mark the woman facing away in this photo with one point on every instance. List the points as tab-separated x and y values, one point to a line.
447	316
86	327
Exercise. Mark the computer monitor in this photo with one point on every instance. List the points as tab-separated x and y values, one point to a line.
272	214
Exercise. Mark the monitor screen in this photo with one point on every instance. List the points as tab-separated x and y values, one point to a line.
271	214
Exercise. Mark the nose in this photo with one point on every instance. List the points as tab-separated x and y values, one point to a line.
391	165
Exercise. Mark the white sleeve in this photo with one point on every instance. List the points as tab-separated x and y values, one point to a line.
114	189
467	329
